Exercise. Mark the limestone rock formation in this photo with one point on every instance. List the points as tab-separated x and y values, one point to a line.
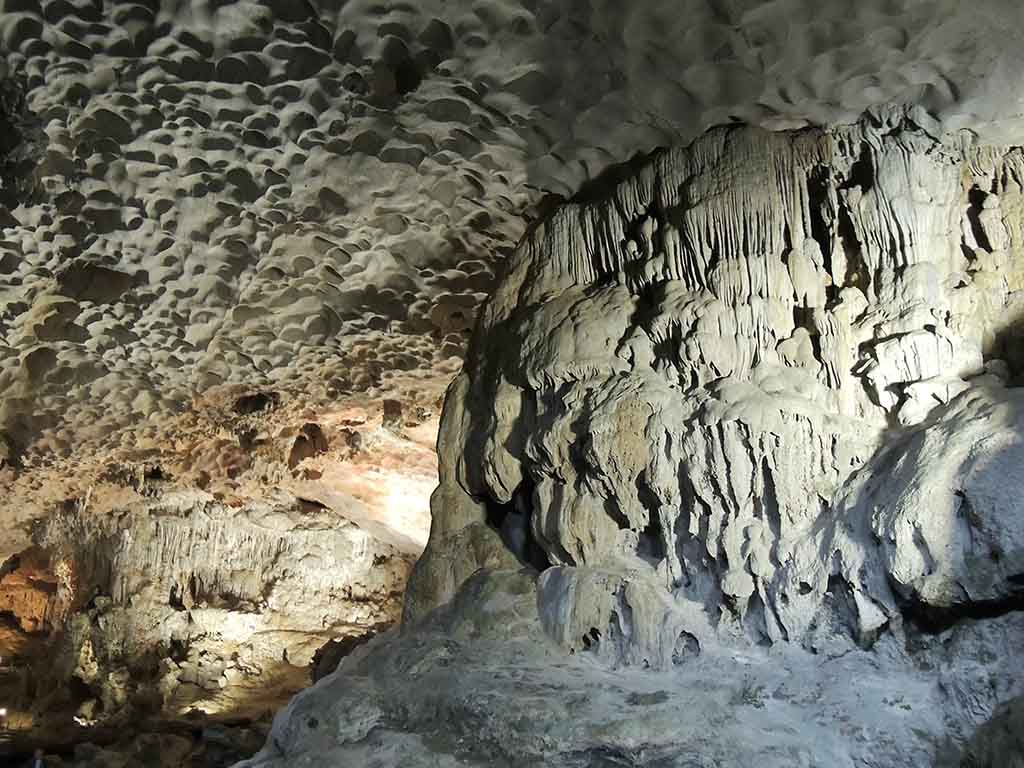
240	598
1000	742
177	745
746	417
242	247
182	606
758	390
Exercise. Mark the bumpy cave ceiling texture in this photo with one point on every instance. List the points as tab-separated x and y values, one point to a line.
244	246
212	200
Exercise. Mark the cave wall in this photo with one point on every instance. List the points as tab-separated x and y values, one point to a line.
182	604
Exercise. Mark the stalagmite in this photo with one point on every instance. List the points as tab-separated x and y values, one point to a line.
737	414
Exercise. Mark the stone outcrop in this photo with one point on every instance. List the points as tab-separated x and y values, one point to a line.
181	607
239	600
27	589
750	408
315	198
202	581
758	391
231	229
1000	742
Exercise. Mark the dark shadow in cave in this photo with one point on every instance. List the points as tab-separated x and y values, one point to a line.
1008	346
651	543
976	204
329	656
513	521
932	620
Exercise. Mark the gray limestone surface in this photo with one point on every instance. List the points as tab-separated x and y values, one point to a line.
731	476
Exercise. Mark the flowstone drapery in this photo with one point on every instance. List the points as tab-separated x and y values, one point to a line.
731	474
758	391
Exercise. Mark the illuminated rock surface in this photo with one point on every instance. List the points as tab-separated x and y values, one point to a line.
312	198
143	607
750	415
759	400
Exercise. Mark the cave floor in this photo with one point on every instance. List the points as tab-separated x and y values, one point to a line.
449	693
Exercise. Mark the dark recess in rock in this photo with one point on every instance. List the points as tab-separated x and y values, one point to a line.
328	657
254	403
310	442
22	143
392	418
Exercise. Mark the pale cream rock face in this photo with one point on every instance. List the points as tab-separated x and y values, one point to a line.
232	602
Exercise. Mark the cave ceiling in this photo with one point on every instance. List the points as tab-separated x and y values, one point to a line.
222	222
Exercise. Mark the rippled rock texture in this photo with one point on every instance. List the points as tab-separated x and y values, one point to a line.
314	197
746	418
236	235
